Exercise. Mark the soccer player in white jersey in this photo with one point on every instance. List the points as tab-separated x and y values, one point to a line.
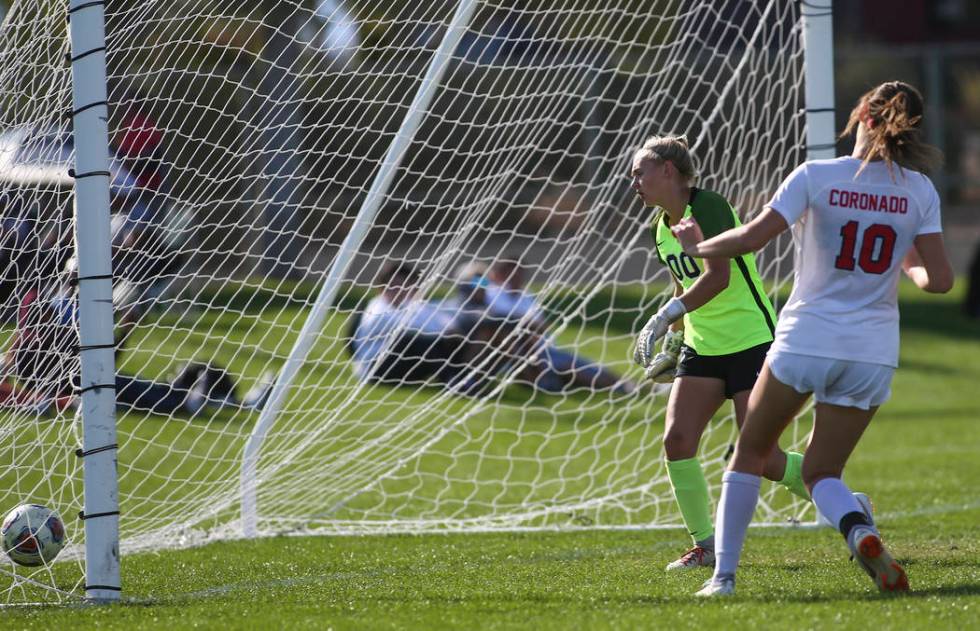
404	339
556	369
857	222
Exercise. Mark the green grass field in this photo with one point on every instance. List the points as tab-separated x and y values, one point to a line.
918	462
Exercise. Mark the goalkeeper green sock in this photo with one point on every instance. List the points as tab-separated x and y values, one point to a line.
691	492
793	476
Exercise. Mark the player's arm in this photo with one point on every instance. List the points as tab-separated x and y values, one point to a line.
677	326
927	264
712	282
713	215
735	242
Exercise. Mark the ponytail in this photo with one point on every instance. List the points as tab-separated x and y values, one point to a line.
893	111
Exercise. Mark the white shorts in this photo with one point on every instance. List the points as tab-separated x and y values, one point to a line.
834	381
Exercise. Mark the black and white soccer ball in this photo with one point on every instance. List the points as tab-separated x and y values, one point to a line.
32	535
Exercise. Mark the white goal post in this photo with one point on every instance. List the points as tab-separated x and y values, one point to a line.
96	387
273	167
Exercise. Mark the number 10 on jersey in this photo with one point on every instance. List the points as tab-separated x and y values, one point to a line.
877	247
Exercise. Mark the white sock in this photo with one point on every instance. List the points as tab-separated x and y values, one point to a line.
834	500
739	494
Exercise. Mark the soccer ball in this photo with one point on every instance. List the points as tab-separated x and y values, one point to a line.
32	534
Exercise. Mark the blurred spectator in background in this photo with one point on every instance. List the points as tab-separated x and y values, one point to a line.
39	370
333	31
519	321
17	230
142	256
971	305
31	255
402	339
138	143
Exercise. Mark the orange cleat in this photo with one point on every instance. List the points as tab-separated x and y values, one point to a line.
871	553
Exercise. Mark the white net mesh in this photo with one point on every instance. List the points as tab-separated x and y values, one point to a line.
246	136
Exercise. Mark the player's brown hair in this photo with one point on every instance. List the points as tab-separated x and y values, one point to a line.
402	271
893	111
673	149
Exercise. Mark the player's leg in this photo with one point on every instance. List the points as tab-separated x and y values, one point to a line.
843	412
583	372
160	398
784	467
741	372
836	432
413	358
692	403
772	405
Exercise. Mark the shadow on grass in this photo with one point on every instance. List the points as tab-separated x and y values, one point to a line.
959	589
931	368
939	316
921	413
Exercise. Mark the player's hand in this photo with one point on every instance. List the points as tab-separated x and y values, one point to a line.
688	234
664	364
655	329
912	259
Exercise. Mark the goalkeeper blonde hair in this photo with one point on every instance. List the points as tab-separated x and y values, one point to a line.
673	149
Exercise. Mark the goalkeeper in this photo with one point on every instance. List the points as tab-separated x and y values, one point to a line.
717	329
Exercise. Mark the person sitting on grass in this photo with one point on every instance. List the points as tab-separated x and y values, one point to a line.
517	312
40	368
402	339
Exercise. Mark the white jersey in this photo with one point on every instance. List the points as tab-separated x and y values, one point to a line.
516	304
851	233
381	319
512	304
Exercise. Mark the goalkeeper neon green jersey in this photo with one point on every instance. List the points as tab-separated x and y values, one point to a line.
739	317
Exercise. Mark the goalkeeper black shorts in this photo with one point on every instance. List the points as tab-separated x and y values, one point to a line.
738	370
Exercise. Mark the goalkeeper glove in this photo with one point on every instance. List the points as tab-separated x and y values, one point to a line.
655	329
663	366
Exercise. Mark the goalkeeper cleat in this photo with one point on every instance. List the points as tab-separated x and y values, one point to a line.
873	557
694	558
717	587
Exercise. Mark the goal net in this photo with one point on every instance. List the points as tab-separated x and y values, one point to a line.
492	388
